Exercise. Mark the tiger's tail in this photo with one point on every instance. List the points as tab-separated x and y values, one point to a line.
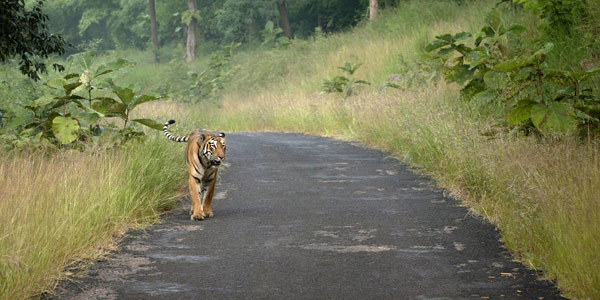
170	136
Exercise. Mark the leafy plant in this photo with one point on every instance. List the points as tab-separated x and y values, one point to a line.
553	101
188	15
24	34
211	81
271	36
342	84
557	14
74	105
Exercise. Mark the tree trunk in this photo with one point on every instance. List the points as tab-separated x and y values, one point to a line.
373	9
153	29
285	23
190	45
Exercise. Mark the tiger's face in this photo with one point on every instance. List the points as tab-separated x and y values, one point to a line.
214	149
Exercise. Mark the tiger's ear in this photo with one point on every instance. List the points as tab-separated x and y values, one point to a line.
222	134
202	138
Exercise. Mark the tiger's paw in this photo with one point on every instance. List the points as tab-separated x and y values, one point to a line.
199	216
208	214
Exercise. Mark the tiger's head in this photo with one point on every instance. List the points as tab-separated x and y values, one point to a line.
213	148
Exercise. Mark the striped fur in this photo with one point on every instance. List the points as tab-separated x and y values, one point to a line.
171	137
203	155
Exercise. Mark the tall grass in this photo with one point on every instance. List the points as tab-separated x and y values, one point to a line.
542	194
57	209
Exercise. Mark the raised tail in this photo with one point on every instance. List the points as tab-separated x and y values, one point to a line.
171	137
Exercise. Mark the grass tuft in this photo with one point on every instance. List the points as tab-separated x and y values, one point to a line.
64	208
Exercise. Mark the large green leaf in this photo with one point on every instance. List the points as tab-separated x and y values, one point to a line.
436	44
43	100
493	19
110	107
585	75
511	65
446	37
559	77
65	129
477	57
87	118
544	50
56	83
70	87
520	113
102	69
125	94
554	117
71	76
516	28
86	59
150	123
144	98
269	26
461	36
495	80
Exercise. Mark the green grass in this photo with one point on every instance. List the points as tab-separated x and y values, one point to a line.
68	207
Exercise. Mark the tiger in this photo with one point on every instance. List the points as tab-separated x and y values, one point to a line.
204	154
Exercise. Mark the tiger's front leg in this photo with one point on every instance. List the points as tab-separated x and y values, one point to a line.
196	212
208	195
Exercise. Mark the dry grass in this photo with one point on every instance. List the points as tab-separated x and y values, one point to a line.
58	209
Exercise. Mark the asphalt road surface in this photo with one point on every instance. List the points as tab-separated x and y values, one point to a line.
305	217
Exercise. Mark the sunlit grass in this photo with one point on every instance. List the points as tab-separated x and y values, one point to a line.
57	209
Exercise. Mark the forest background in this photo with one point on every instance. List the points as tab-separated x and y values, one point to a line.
496	100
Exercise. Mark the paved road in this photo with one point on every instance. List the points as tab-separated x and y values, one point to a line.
304	217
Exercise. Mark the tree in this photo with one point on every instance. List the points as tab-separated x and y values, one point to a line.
285	23
153	29
373	9
192	28
24	33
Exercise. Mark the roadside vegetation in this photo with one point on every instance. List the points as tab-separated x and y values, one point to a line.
497	102
538	185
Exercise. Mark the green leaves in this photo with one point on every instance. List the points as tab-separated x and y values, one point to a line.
63	116
342	84
551	101
149	123
555	117
125	94
544	50
521	112
110	107
56	83
188	15
271	36
25	35
493	20
348	68
512	65
65	129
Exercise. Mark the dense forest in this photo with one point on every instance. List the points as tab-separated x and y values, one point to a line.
125	24
497	100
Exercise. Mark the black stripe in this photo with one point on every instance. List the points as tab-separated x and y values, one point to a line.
197	179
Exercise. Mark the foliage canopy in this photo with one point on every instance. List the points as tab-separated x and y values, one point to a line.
24	33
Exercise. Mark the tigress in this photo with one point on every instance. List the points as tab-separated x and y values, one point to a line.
203	155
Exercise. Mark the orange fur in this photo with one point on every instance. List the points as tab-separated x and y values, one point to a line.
203	156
